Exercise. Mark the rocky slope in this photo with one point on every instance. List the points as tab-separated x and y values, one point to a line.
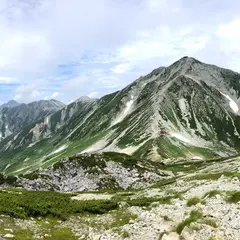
202	202
189	109
15	116
92	172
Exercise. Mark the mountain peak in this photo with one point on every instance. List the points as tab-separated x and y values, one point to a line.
188	59
85	99
10	104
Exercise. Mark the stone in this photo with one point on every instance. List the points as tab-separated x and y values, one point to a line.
8	235
187	234
171	236
94	237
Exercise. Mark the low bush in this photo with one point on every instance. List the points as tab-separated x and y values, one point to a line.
193	201
233	197
23	204
194	216
210	222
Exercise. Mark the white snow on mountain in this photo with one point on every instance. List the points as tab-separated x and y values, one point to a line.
232	103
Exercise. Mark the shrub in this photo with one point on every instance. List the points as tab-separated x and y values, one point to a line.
145	202
234	197
194	216
209	222
42	204
193	201
213	193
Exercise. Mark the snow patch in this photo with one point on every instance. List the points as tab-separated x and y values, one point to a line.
125	112
196	158
180	137
92	196
128	150
96	146
32	144
58	150
182	104
46	121
232	104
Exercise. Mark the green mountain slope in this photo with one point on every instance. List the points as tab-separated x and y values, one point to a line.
189	109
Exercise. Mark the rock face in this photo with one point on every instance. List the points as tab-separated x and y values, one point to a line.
92	172
15	116
189	109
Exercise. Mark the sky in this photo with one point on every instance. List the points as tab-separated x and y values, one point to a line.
64	49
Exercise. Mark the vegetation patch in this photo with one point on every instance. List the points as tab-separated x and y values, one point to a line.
212	176
11	180
194	201
210	222
121	218
43	204
164	182
61	234
233	197
194	216
213	193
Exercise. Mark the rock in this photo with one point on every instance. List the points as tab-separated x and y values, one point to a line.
8	235
171	236
235	180
92	236
187	234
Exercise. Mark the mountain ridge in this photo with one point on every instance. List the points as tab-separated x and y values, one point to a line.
15	116
189	109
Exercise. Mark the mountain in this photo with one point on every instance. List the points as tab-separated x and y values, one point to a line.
9	104
15	116
187	110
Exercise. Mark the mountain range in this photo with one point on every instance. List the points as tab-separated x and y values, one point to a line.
187	110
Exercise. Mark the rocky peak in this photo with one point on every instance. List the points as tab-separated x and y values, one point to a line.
10	104
86	99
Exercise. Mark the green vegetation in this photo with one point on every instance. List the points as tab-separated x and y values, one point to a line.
11	180
121	218
20	203
166	218
164	182
210	222
233	197
213	193
61	234
23	204
213	176
194	216
125	234
23	234
193	201
212	238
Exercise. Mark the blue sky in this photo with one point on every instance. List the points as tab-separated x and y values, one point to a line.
66	49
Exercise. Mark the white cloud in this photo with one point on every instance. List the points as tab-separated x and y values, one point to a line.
8	80
93	95
121	68
53	96
28	92
230	30
17	49
229	35
102	45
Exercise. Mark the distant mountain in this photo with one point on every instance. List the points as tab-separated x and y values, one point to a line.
189	109
9	104
15	116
